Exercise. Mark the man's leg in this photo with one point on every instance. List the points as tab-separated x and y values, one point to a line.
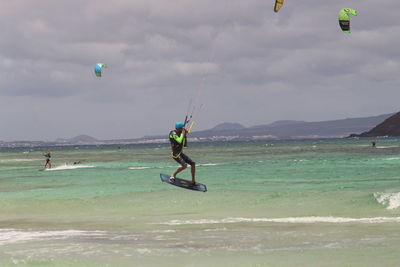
192	164
193	169
181	168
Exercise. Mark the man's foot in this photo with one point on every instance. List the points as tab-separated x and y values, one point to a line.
172	179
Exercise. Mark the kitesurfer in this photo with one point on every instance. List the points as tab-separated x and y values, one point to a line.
177	138
47	155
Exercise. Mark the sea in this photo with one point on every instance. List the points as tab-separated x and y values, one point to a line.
329	202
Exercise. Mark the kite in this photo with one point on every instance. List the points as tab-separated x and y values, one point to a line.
344	18
98	67
278	5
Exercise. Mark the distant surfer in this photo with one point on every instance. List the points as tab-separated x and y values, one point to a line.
373	144
177	138
47	155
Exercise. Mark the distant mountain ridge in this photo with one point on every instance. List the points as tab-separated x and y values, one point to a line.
78	139
279	123
290	129
283	129
228	126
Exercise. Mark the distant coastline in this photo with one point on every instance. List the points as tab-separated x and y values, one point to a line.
279	130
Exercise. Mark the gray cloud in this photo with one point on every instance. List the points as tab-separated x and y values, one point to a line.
239	59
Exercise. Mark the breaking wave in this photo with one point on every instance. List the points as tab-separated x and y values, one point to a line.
392	158
302	220
390	200
8	236
138	168
207	164
70	167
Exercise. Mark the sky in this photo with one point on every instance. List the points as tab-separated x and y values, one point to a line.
232	60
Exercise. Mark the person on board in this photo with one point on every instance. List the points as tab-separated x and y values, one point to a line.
47	155
177	138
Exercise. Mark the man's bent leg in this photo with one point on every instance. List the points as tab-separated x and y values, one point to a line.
181	168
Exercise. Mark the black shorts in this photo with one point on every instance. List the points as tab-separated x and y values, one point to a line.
184	160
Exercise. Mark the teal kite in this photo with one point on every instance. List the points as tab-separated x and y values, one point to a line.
98	67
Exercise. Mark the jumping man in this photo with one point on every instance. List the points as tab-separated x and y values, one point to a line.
177	138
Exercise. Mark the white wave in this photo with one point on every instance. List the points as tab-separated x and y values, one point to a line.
207	164
215	230
163	231
391	200
9	236
392	159
382	147
143	250
303	220
138	168
69	167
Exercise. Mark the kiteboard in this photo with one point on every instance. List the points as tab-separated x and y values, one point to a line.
183	183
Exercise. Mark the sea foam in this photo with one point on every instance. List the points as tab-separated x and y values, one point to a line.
69	167
138	168
391	200
301	220
397	158
8	236
207	164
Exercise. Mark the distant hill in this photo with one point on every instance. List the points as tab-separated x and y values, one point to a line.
79	139
228	126
295	129
390	127
279	123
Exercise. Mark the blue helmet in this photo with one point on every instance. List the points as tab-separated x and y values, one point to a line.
179	125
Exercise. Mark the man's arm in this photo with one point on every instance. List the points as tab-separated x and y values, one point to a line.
179	139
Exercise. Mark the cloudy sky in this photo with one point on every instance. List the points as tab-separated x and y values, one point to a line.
238	60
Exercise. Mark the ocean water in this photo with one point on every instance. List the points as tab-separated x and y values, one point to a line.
275	203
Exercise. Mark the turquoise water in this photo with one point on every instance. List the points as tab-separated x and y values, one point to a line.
281	203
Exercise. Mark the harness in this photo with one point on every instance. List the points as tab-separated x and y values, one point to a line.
175	145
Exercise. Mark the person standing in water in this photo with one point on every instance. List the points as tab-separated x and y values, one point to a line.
373	144
47	155
177	138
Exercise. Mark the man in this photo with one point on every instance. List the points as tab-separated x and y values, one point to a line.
373	144
47	155
177	138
